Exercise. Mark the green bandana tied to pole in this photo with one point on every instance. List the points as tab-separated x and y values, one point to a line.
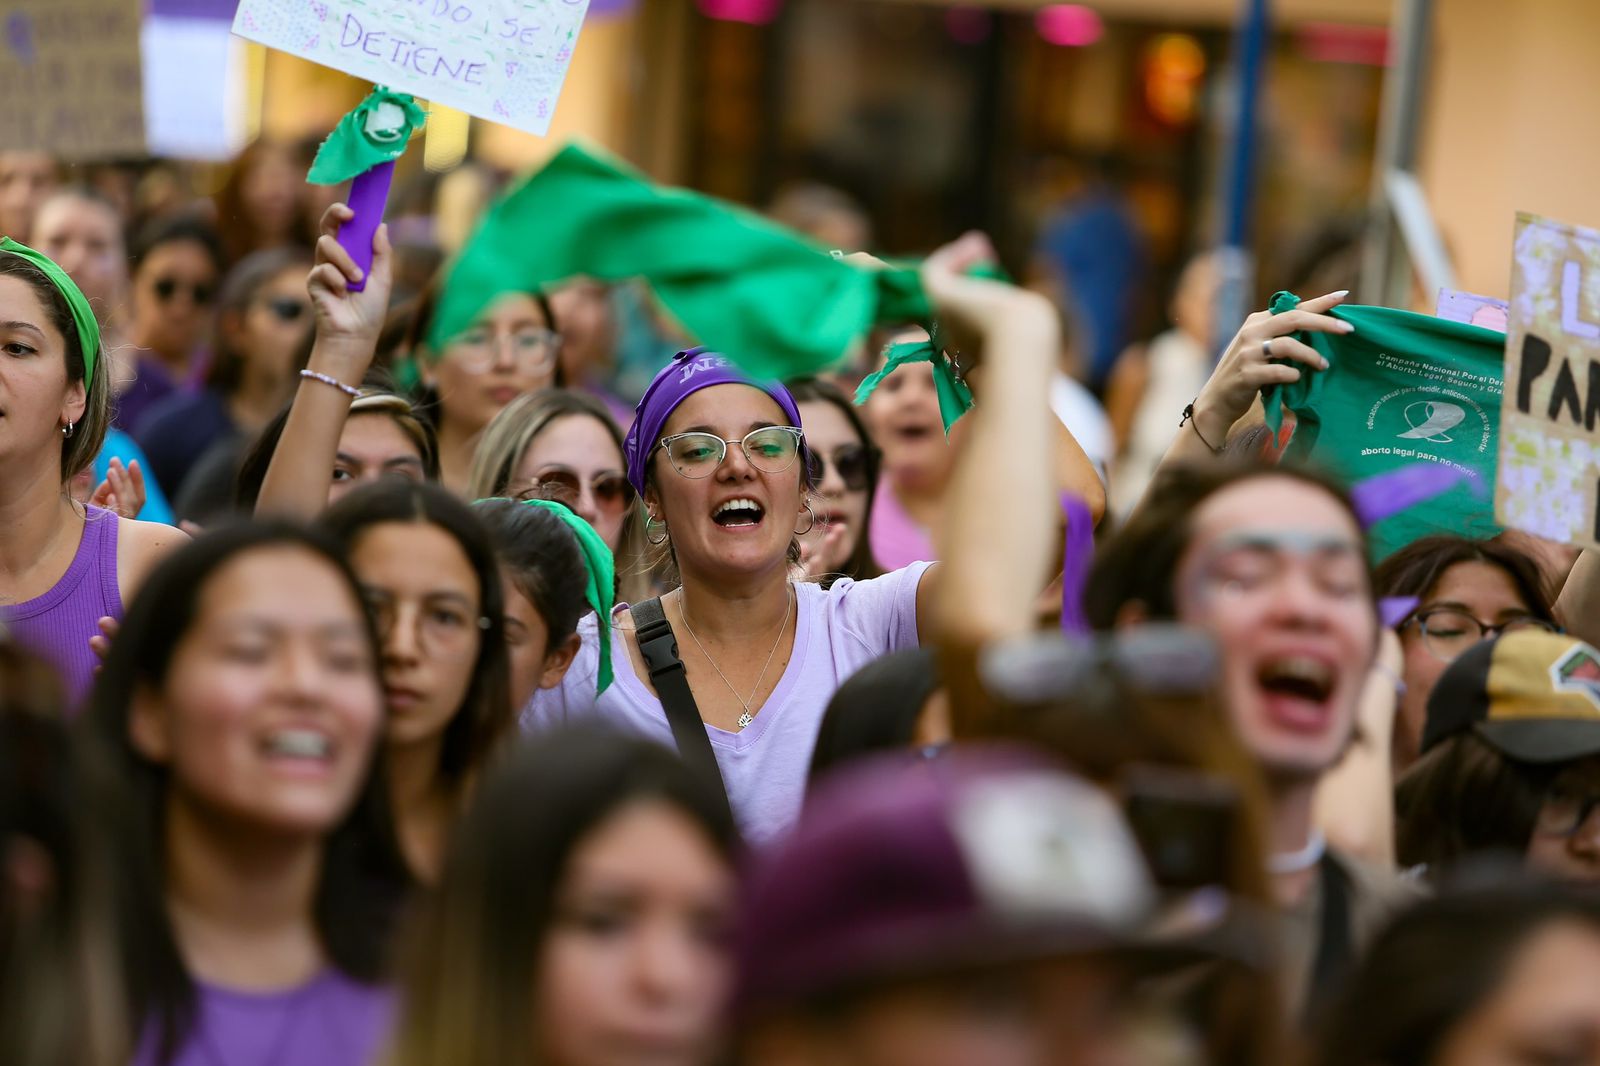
1401	389
777	305
82	315
375	132
600	590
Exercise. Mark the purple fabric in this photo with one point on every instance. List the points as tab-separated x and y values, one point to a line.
1393	491
57	625
369	195
896	538
688	373
152	383
1075	565
329	1021
838	631
1395	609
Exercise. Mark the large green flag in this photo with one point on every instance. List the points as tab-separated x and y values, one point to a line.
1403	388
746	287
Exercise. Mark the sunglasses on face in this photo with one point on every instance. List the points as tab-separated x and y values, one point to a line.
611	491
167	289
287	308
851	461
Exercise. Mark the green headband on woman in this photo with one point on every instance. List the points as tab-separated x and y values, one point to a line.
82	316
600	590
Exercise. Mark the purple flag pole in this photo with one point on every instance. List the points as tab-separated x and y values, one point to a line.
369	195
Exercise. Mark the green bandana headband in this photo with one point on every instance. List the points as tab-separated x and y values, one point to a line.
600	588
375	132
82	316
777	305
955	399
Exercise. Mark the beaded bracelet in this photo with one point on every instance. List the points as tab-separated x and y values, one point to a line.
326	379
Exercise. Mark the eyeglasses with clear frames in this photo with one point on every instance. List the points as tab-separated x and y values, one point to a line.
533	349
770	449
444	629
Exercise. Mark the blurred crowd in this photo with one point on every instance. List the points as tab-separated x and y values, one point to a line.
558	693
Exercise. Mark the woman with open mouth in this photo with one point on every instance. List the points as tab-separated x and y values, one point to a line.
844	477
236	737
722	465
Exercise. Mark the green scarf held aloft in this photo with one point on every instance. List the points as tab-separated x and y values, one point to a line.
777	305
1399	390
375	132
83	320
600	587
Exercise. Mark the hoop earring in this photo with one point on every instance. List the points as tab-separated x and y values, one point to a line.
809	525
653	541
66	430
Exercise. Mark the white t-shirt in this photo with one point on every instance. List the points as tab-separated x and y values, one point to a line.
837	632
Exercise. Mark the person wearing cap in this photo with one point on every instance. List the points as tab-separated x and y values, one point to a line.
1510	760
63	565
977	908
720	462
1272	563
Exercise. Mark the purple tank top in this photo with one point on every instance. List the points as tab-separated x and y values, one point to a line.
58	624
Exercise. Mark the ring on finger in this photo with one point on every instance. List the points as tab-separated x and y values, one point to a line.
1266	348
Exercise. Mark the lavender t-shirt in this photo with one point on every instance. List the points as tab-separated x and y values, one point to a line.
838	631
331	1020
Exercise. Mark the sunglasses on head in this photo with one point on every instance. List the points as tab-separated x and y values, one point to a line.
852	461
166	289
287	308
611	491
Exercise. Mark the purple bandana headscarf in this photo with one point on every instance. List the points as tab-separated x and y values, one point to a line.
688	373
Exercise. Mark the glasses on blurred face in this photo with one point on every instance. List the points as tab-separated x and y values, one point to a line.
531	349
771	450
1449	631
851	461
167	290
610	491
444	628
1565	810
1248	563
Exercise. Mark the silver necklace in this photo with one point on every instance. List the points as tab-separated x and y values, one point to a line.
746	718
1292	862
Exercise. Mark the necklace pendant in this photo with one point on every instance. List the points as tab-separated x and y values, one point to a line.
745	719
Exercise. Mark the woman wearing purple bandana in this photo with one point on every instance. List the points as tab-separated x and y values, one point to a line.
720	463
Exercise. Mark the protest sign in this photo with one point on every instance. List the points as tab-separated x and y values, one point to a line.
503	60
1549	451
1485	311
72	81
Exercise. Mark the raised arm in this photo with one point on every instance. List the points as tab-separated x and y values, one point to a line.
348	324
1244	370
999	531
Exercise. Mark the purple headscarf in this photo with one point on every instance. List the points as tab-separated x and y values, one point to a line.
688	373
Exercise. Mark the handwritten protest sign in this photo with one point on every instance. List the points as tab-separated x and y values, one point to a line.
1485	311
1549	449
72	78
502	60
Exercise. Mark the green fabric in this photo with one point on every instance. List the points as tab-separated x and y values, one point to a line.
776	305
955	399
600	589
1402	388
377	131
82	314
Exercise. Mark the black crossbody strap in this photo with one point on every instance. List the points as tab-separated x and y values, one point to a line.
659	646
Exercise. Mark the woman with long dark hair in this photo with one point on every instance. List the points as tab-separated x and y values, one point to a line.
583	918
236	736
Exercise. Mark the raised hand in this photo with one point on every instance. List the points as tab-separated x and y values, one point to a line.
348	323
122	491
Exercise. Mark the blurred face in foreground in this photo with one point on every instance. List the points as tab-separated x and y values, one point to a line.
1274	572
1061	1013
636	965
1545	1011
